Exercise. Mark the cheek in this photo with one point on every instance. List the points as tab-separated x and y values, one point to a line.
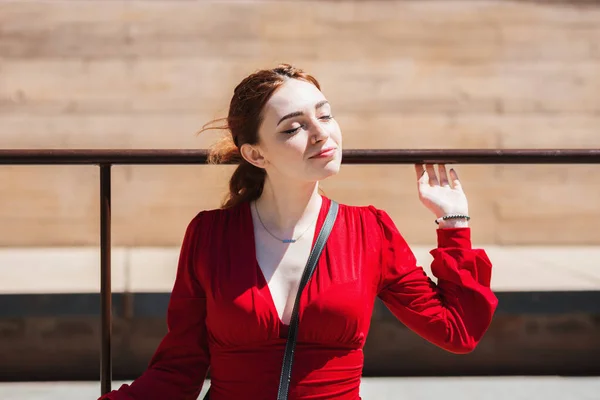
336	133
293	146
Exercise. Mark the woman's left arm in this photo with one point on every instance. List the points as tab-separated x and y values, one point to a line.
455	312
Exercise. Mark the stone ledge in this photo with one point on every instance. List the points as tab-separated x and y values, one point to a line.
77	270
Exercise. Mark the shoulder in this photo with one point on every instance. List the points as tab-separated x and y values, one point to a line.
216	218
367	217
368	213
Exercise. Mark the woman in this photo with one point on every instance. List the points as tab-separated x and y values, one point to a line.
240	265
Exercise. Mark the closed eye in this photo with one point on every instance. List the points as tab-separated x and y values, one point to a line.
295	130
292	131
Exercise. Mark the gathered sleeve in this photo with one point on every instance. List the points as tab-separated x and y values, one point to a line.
453	313
179	366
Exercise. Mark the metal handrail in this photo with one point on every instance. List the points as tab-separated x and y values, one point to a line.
360	156
106	158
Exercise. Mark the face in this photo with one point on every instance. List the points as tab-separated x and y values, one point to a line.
298	138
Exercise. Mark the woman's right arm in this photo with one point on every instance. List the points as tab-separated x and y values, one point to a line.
179	366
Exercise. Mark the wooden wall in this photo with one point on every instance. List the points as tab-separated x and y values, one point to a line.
400	74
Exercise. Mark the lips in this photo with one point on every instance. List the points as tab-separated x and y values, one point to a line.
327	152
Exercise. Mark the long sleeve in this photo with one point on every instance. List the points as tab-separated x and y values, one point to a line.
178	367
453	314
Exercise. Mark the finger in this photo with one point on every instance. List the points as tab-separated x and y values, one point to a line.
420	170
423	177
433	180
443	175
454	179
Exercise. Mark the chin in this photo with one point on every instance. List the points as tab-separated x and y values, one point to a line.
332	168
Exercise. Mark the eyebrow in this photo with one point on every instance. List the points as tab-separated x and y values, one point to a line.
298	113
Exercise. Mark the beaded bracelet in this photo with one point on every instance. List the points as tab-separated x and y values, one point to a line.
452	216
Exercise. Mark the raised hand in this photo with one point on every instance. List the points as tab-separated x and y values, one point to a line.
442	195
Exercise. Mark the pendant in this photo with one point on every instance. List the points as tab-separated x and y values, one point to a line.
288	241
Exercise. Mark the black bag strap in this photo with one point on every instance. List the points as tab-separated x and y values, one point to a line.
288	355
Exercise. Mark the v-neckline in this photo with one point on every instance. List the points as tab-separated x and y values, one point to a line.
282	327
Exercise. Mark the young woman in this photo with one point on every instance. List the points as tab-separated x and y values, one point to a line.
240	265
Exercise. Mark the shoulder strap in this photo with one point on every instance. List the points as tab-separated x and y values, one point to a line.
288	355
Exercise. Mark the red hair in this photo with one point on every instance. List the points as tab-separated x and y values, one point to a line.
242	123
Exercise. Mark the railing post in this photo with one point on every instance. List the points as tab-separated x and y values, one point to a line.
105	279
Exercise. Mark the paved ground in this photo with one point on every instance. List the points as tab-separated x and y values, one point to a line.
487	388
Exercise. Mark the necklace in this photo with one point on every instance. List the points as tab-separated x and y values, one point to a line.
269	232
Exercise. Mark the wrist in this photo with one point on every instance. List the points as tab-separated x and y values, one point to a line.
453	220
453	223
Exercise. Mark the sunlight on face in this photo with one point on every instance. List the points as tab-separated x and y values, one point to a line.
299	138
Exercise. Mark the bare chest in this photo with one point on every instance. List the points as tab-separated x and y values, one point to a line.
282	266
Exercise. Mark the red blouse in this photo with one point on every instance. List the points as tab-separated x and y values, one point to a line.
221	313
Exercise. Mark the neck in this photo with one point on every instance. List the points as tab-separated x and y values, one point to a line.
287	207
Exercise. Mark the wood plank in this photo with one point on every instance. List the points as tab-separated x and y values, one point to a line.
547	205
58	206
404	74
196	85
156	201
97	131
158	131
54	205
32	46
549	231
547	131
460	31
360	130
543	191
512	88
457	12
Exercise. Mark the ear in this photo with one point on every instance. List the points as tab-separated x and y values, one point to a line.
253	155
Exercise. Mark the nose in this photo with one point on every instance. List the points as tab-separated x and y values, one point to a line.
319	133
